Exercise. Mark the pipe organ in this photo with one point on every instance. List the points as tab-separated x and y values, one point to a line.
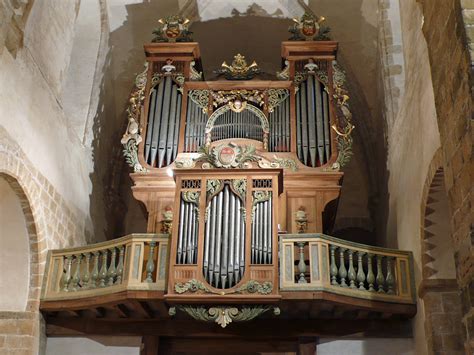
240	179
237	162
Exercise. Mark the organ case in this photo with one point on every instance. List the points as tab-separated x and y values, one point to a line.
225	244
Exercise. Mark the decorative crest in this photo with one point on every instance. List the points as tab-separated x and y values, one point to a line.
173	29
308	28
238	70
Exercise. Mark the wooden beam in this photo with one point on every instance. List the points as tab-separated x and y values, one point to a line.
226	346
142	309
150	345
269	328
307	346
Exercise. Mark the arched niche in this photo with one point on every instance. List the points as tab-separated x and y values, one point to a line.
14	250
437	247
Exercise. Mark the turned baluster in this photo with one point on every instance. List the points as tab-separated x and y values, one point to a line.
360	270
333	270
103	269
120	266
87	275
76	279
67	274
150	265
95	270
370	273
390	278
112	270
301	263
351	273
380	278
342	267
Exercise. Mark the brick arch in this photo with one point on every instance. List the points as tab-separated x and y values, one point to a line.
35	257
438	290
52	223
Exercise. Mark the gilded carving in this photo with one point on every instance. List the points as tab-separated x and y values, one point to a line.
200	98
238	69
276	97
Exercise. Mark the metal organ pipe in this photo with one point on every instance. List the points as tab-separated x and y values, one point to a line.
261	240
164	113
224	240
313	121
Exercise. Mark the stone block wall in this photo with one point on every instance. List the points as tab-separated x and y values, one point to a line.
449	53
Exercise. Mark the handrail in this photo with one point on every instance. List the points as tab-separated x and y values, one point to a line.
133	262
308	262
319	262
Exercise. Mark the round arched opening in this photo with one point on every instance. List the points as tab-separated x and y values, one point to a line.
14	250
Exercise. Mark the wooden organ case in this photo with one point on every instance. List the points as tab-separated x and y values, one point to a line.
224	166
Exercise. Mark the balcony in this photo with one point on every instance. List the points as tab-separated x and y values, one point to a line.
120	286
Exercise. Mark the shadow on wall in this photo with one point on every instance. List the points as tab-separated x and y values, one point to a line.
115	203
364	192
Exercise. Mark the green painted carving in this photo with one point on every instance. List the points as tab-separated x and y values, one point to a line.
130	152
344	146
192	285
259	196
184	163
253	286
212	187
192	197
223	315
200	98
240	186
276	97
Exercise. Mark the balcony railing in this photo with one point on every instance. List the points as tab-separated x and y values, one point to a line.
133	262
308	263
317	262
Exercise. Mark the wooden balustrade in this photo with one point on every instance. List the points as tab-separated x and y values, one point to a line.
316	262
133	262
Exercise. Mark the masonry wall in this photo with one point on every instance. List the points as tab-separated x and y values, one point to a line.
445	32
41	157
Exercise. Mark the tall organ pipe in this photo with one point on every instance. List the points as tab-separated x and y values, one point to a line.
313	123
164	112
224	240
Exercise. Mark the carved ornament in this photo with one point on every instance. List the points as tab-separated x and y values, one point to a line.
238	70
309	28
224	315
172	29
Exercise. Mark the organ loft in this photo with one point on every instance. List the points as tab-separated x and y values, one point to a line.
240	178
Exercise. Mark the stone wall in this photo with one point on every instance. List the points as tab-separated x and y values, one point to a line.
445	34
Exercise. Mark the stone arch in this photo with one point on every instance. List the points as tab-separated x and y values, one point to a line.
34	280
438	289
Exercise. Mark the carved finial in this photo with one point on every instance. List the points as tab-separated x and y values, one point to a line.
308	28
173	29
